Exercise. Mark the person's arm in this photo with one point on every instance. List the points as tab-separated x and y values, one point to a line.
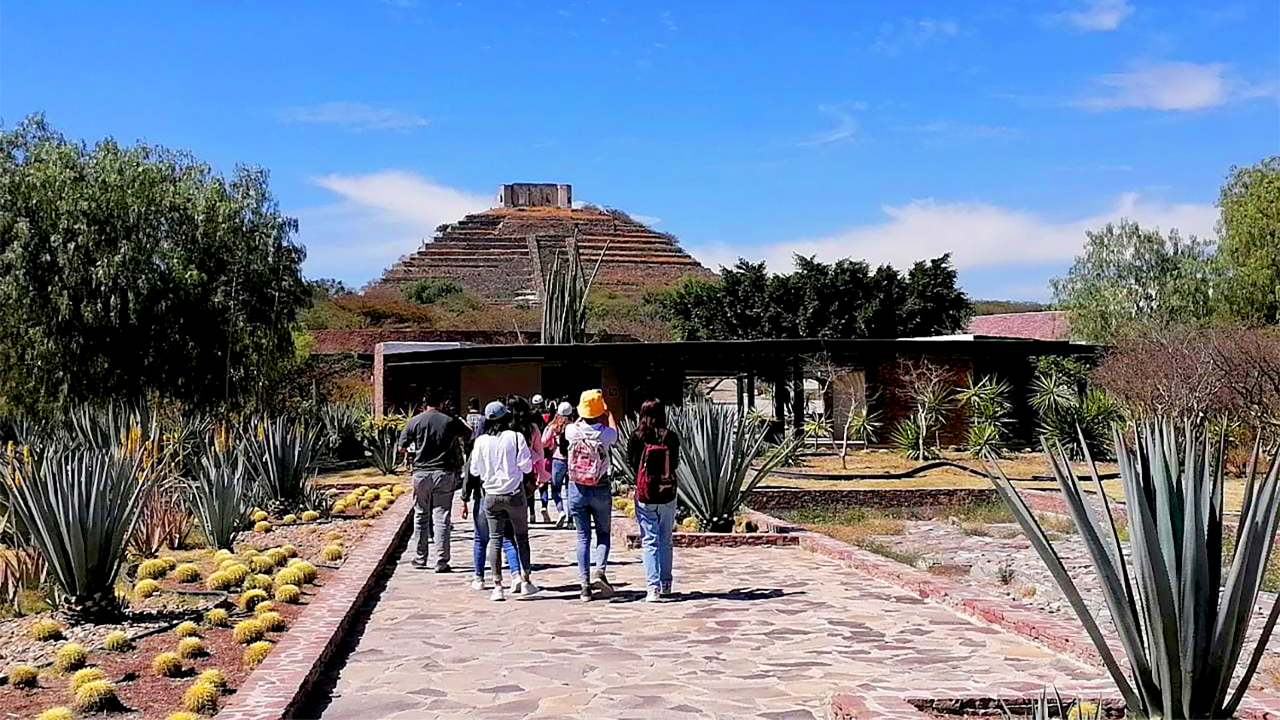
613	422
673	450
524	458
635	448
406	436
477	462
546	436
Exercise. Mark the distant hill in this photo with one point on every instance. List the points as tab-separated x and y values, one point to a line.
1000	307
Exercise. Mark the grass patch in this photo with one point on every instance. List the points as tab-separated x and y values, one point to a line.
906	557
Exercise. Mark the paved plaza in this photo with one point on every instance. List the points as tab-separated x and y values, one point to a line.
756	633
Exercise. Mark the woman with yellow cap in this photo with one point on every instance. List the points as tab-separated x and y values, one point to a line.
590	498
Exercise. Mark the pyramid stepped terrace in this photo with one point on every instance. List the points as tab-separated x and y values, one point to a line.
503	254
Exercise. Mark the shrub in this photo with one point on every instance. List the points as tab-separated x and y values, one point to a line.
152	569
217	617
429	290
23	676
288	594
85	676
256	653
146	588
332	553
84	550
247	631
214	677
186	573
220	490
117	642
250	598
218	580
191	647
201	697
187	628
166	664
273	621
46	630
70	656
57	713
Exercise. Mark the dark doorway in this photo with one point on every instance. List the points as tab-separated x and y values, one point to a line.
568	381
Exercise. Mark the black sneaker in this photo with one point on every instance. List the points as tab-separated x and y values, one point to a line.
601	585
443	569
585	595
419	564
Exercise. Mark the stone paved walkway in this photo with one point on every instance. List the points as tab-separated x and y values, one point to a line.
758	632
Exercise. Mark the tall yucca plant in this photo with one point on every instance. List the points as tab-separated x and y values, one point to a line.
718	446
564	299
221	491
1180	624
79	508
280	452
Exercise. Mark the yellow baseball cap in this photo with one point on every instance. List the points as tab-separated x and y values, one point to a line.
591	405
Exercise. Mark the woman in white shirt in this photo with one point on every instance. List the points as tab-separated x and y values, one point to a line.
500	458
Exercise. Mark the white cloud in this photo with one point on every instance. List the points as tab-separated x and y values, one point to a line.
1098	15
977	234
380	217
669	22
846	127
893	38
354	116
1168	86
963	131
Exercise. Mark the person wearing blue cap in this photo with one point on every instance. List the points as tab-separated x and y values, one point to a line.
500	459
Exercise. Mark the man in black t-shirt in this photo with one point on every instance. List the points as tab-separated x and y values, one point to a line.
437	441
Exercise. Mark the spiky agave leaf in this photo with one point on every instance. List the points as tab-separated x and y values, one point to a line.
80	507
1182	626
221	492
280	452
717	448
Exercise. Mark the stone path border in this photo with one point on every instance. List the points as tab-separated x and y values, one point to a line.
688	539
1060	634
280	684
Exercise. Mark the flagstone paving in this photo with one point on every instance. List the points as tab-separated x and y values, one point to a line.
756	632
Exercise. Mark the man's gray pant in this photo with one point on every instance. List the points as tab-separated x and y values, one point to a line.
433	502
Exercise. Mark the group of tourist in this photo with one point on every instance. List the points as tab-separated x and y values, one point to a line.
519	451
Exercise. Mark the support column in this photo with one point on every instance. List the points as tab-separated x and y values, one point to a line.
740	388
797	397
379	373
751	391
779	400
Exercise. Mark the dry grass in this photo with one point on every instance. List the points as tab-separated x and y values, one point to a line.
361	476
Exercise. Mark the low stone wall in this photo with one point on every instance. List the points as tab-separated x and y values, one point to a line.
279	685
686	539
796	499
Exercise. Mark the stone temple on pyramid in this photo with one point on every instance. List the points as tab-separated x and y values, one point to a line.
504	253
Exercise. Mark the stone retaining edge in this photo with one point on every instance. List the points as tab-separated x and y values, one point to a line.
1060	635
276	688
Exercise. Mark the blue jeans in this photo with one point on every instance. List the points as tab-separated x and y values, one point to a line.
481	543
656	523
587	502
559	471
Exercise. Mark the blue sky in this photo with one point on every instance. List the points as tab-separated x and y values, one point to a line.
998	130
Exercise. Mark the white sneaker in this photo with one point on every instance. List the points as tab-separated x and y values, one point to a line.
477	583
515	585
653	596
497	595
528	589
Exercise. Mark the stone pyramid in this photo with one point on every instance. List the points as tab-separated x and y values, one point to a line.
502	254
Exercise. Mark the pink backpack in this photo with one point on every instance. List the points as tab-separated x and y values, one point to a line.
588	463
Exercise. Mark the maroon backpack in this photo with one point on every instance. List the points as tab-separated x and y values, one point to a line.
655	484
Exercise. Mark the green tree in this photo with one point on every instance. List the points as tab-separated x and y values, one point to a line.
1249	242
1129	276
844	299
136	270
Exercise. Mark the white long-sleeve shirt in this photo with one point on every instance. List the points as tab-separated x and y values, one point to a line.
500	461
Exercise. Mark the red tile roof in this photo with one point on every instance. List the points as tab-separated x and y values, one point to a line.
1045	325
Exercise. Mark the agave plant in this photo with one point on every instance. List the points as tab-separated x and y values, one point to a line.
564	299
719	448
987	402
80	507
280	452
221	492
380	438
1182	625
1072	416
624	476
862	425
341	423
